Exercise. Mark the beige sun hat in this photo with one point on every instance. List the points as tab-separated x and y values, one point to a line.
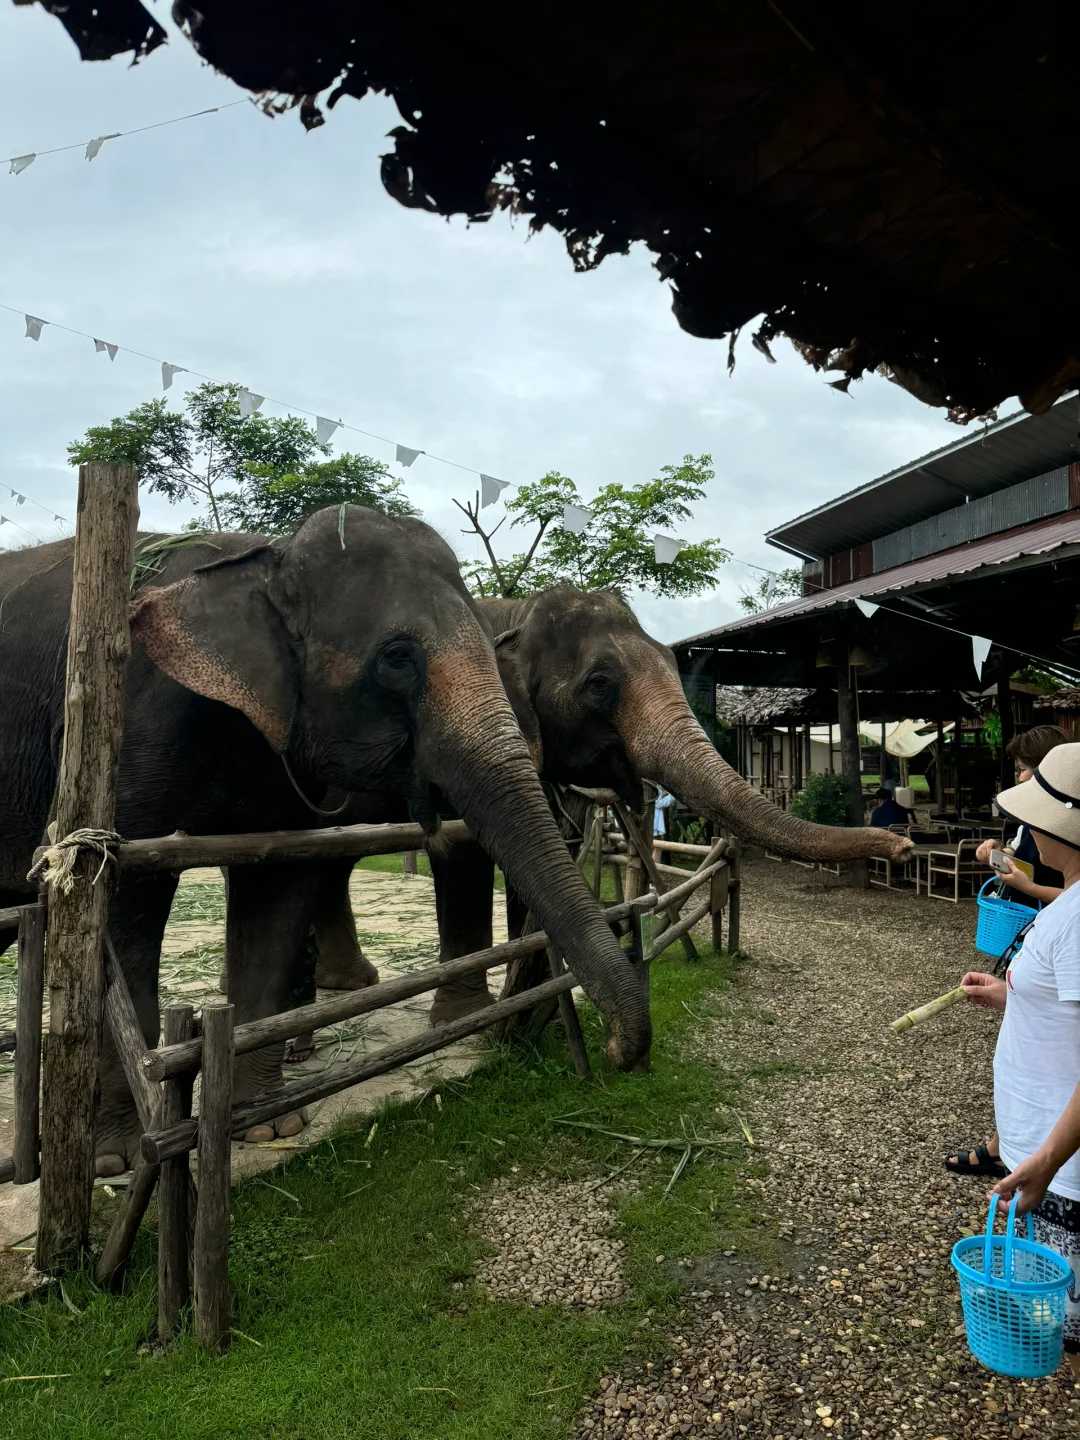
1050	800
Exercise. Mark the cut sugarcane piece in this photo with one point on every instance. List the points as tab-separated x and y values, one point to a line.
927	1011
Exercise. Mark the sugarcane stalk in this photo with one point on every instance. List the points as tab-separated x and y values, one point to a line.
927	1011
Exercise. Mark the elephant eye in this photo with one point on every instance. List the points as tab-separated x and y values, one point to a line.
598	685
399	654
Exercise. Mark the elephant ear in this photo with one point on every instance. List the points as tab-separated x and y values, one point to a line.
219	633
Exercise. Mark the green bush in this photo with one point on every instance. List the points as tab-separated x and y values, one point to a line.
823	799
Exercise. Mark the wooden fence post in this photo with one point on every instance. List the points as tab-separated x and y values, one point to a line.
98	646
734	899
174	1217
28	1043
213	1305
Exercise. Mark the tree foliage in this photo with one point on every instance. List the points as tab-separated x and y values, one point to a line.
254	472
616	547
771	589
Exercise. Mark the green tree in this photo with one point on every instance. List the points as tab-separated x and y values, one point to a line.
254	472
771	589
615	548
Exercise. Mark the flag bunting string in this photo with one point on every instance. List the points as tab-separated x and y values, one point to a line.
92	146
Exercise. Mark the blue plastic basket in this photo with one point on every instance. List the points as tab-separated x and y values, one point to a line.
1013	1292
1000	921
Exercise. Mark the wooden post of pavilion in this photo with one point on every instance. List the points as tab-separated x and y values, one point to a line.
1005	710
849	761
939	769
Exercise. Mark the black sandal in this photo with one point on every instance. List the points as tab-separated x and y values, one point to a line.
984	1163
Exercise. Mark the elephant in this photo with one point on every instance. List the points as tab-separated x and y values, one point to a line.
349	655
604	706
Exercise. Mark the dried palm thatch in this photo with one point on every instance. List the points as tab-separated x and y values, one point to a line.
892	187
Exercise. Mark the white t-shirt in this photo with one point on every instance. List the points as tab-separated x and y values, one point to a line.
1037	1061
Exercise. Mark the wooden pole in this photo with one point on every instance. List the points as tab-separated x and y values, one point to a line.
28	1044
939	770
213	1302
174	1216
1005	710
98	645
850	762
575	1039
718	897
734	899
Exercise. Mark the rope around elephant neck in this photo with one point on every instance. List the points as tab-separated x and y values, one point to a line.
315	809
57	862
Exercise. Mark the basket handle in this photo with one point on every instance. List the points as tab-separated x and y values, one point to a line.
1010	1236
983	888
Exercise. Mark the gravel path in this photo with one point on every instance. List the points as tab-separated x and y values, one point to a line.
858	1332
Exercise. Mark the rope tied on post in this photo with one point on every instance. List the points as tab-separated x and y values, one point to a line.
56	864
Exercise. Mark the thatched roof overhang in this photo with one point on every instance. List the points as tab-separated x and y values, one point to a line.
892	187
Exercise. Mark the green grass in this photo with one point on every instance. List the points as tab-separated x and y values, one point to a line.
918	783
354	1295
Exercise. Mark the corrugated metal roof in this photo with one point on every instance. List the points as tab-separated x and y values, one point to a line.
1016	447
1061	531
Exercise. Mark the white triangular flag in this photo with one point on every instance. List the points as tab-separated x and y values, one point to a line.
167	373
980	648
3	520
106	347
34	327
20	162
19	499
575	518
324	428
93	147
866	607
249	402
490	490
666	549
405	454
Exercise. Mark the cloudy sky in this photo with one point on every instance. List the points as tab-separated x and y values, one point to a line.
253	251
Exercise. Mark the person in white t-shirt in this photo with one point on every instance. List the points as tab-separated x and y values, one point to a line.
1037	1060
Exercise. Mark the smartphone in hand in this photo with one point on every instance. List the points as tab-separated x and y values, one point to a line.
999	861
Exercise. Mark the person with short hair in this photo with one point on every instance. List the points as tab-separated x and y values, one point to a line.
1037	1059
888	812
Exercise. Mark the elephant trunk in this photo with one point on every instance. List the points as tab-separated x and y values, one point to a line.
470	746
667	745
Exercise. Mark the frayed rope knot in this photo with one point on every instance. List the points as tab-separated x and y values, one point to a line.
57	862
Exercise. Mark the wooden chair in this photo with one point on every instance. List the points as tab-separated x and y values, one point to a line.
958	866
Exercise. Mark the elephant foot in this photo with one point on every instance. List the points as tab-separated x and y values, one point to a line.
282	1127
464	997
116	1152
299	1049
354	972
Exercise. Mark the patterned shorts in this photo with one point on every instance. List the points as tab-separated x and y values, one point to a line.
1057	1225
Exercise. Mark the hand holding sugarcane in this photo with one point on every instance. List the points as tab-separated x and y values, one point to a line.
976	986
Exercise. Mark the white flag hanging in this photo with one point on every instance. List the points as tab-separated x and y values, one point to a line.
324	428
34	327
575	518
866	607
3	520
405	454
19	499
980	648
20	162
249	402
167	373
93	147
490	490
666	549
106	347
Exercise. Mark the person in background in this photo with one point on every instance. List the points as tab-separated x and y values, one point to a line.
1027	752
663	802
1037	1059
888	812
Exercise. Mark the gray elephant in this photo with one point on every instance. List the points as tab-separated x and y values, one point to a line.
604	706
353	652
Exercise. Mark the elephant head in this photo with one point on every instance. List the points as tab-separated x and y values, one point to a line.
610	710
354	647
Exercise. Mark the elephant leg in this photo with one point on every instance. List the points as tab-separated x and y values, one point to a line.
270	969
137	916
341	964
464	886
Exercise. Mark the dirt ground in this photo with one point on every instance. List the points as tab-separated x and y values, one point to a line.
852	1325
395	916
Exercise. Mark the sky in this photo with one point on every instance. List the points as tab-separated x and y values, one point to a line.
251	250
